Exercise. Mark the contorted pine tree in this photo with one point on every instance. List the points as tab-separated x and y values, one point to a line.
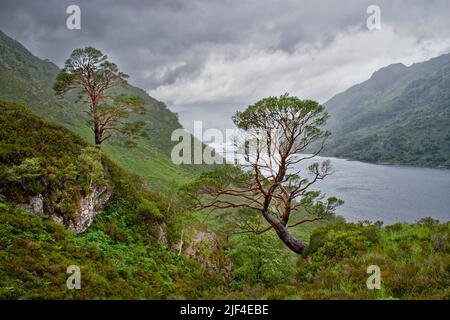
88	71
278	131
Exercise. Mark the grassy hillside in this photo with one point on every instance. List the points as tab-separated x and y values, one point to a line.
400	115
28	80
413	259
120	256
131	249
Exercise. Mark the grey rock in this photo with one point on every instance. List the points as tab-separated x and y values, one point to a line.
35	206
162	235
57	219
88	208
207	248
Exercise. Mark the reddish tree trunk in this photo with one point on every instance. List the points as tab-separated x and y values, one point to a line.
283	233
98	135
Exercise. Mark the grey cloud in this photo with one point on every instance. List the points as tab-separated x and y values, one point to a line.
164	43
169	30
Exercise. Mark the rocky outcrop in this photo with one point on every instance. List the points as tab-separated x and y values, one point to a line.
35	206
207	248
88	207
162	235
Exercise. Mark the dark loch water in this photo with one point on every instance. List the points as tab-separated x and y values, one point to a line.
387	193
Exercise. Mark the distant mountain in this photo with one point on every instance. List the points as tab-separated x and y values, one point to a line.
28	80
401	115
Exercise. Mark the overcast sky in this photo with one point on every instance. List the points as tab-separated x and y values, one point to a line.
207	59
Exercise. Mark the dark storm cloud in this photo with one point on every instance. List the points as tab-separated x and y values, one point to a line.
185	51
148	34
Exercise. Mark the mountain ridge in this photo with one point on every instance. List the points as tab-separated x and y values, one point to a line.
400	115
28	80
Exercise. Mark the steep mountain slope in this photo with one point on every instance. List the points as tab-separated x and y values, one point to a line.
400	115
132	248
120	255
28	80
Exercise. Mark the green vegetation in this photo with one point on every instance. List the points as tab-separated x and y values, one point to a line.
39	157
259	259
120	254
145	243
278	130
35	253
28	80
116	262
401	115
414	260
89	72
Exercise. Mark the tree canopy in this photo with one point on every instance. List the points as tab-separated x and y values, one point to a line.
89	71
276	134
